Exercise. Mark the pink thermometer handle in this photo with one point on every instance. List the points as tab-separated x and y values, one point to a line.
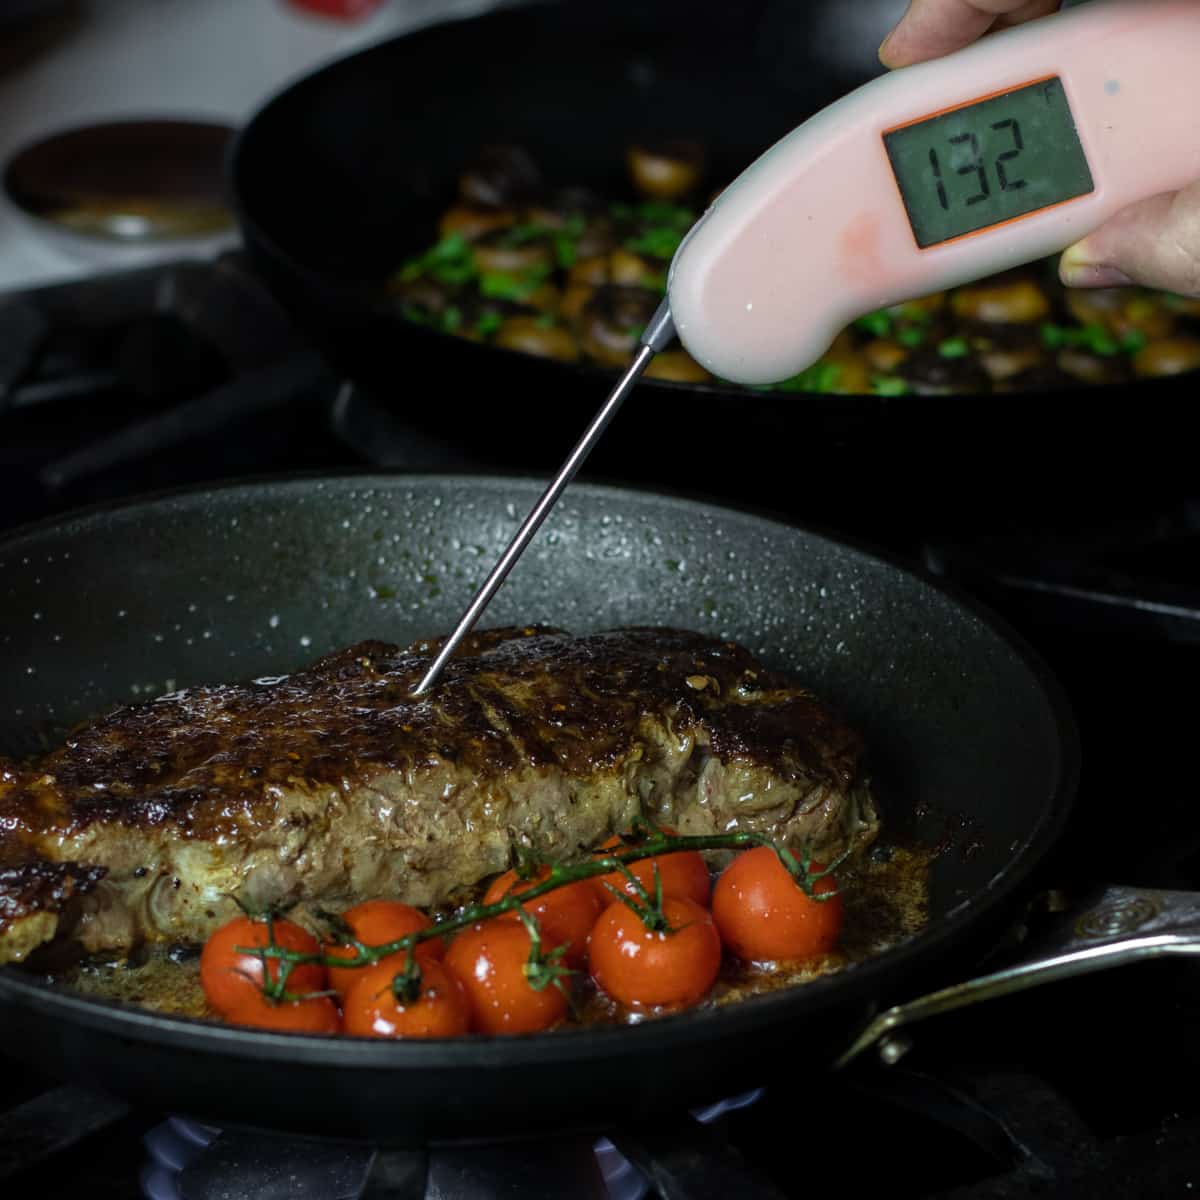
827	225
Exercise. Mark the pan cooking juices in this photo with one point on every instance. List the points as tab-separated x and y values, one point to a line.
886	900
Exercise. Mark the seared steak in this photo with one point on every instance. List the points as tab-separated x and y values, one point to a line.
332	784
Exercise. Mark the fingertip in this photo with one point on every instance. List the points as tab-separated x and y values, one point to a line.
1080	268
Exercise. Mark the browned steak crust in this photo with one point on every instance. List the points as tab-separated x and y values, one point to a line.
333	783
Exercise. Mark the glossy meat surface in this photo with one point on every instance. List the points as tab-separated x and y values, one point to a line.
333	785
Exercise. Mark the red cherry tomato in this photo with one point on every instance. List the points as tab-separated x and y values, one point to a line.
565	915
684	874
641	968
374	923
764	915
440	1010
230	978
490	961
318	1014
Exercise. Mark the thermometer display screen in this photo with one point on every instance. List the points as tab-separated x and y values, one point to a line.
989	162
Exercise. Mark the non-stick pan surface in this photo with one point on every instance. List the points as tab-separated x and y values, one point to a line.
117	604
343	175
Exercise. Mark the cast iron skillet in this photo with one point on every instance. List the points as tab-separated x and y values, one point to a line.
118	603
343	175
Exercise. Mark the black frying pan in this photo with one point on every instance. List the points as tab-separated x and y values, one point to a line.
242	580
342	176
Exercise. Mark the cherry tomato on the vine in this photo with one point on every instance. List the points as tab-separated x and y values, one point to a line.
374	923
684	874
644	968
490	960
440	1009
764	915
565	915
230	978
318	1014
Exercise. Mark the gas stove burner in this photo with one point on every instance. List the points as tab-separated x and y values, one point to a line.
185	1163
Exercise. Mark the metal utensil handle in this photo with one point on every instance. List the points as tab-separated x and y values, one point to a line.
657	336
1118	925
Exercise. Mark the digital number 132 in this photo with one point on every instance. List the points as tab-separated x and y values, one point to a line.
977	167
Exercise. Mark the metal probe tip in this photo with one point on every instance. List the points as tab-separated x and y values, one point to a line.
658	336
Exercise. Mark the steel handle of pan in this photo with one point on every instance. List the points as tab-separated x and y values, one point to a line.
1114	926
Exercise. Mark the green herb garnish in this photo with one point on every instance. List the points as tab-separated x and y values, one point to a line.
658	243
488	324
452	319
910	338
504	285
416	314
1095	339
955	347
889	385
821	377
878	324
450	261
545	321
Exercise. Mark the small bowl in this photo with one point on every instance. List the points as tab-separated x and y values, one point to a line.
126	192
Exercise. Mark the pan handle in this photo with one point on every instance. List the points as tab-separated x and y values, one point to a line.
1117	925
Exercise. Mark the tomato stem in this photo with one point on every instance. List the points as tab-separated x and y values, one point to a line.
657	843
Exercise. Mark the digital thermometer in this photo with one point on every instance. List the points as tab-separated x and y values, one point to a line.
938	175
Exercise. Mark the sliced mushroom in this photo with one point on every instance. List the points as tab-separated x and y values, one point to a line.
631	270
1046	377
1094	369
884	355
920	310
474	223
599	237
591	271
494	253
1003	362
1006	350
1121	311
678	366
574	300
1170	356
929	373
612	322
500	176
666	170
854	375
533	335
1014	301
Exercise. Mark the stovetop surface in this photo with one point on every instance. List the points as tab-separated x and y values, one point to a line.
180	375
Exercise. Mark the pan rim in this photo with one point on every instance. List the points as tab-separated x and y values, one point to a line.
862	984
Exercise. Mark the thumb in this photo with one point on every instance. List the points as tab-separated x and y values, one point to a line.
1155	243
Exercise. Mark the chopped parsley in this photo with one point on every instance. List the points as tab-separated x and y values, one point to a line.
505	285
955	347
889	385
1094	339
819	378
450	261
658	243
910	338
878	324
488	324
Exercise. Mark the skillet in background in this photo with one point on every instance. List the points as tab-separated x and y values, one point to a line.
343	175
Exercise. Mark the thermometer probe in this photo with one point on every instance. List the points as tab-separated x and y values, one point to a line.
919	181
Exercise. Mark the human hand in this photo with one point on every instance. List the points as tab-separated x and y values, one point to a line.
1154	243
